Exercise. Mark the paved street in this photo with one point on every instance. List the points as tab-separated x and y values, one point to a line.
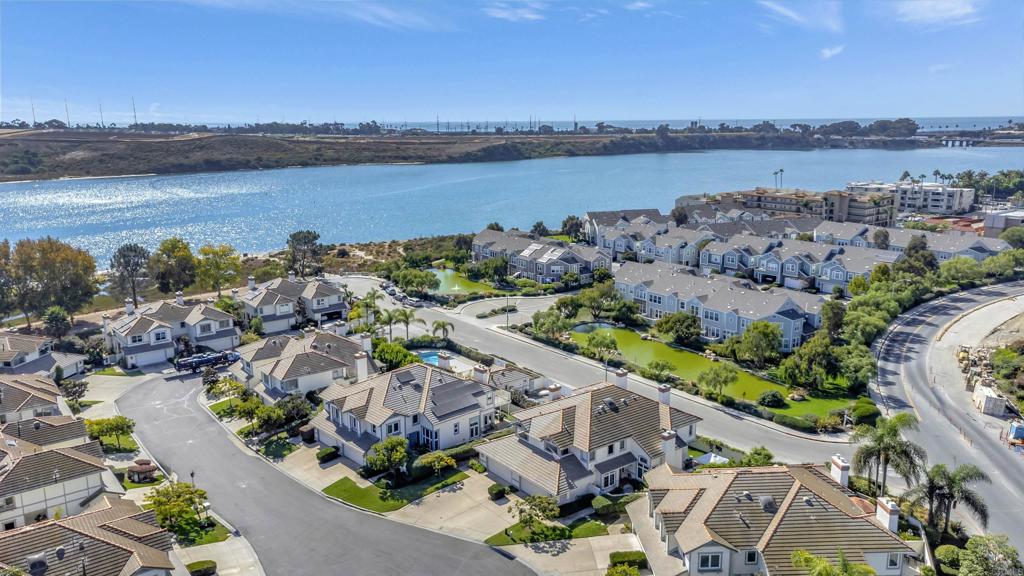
912	377
293	530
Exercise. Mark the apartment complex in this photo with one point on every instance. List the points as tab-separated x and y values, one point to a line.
878	208
945	246
538	259
997	222
923	197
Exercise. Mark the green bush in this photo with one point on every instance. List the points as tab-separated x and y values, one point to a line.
865	413
497	491
634	558
725	400
476	466
327	454
948	555
575	506
771	399
795	423
202	568
602	505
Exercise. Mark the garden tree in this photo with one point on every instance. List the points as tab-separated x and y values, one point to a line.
74	390
534	511
622	570
1003	266
990	555
116	426
305	252
407	316
229	306
883	446
442	326
128	266
718	377
856	364
758	456
857	286
601	343
572	226
682	327
294	408
602	275
959	491
437	460
571	278
821	566
550	323
419	281
56	321
961	271
679	215
177	507
496	227
881	273
6	280
173	266
393	355
623	310
880	238
539	229
494	269
660	368
832	315
810	365
591	299
66	275
268	418
917	258
760	342
218	266
248	408
210	379
256	325
1013	236
838	292
862	327
568	307
390	454
387	318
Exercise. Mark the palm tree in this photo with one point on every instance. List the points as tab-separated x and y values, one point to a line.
406	317
442	326
937	173
370	302
884	445
781	171
387	318
959	491
931	490
346	295
820	566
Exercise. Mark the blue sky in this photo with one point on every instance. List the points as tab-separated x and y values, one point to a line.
239	60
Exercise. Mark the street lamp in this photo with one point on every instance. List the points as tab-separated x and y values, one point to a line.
192	475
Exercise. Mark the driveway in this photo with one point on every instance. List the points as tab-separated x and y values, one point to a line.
464	509
294	530
579	557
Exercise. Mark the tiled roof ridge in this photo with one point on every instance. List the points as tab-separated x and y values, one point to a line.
769	532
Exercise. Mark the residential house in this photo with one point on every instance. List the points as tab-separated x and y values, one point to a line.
114	538
597	223
624	242
281	365
38	482
921	197
848	263
676	246
423	403
25	397
27	354
738	521
547	262
792	263
734	255
489	244
154	332
945	246
725	307
48	431
282	303
505	377
591	442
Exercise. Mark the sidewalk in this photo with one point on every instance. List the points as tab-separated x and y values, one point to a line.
234	557
578	557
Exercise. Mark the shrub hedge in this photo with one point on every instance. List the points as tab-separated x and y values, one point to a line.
634	558
202	568
795	423
497	491
327	454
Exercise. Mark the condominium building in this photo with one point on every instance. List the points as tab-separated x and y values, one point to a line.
876	208
926	197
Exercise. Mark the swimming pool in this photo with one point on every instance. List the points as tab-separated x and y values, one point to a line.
428	356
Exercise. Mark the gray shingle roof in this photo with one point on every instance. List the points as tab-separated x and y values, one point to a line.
612	217
46	430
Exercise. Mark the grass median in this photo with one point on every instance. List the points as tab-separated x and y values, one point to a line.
387	500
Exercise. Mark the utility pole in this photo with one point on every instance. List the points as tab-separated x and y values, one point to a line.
134	115
33	105
67	112
102	123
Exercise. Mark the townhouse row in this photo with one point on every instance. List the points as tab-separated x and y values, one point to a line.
539	259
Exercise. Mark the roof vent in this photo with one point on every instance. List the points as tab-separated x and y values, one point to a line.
36	425
746	494
59	552
767	503
12	443
808	501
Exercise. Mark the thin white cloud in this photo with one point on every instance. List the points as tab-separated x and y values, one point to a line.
821	15
394	16
938	68
828	53
516	11
639	5
937	12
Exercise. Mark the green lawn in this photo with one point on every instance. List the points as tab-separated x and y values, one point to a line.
694	453
560	237
377	500
218	533
277	447
224	409
82	405
117	371
689	365
518	534
453	282
128	484
110	444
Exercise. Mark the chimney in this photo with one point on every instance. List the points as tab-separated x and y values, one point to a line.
554	391
234	294
179	298
291	275
444	360
621	378
840	470
362	366
480	374
340	328
210	301
665	394
674	455
129	306
367	342
888	514
252	283
106	323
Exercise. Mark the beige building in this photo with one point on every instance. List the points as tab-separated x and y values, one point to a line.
877	208
923	197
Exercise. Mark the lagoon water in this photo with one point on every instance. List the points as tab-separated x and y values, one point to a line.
256	210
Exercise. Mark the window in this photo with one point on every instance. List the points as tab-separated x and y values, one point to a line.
609	480
224	324
136	339
159	336
290	385
622	445
415	418
321	302
394	428
611	449
894	560
751	557
708	562
205	328
455	429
